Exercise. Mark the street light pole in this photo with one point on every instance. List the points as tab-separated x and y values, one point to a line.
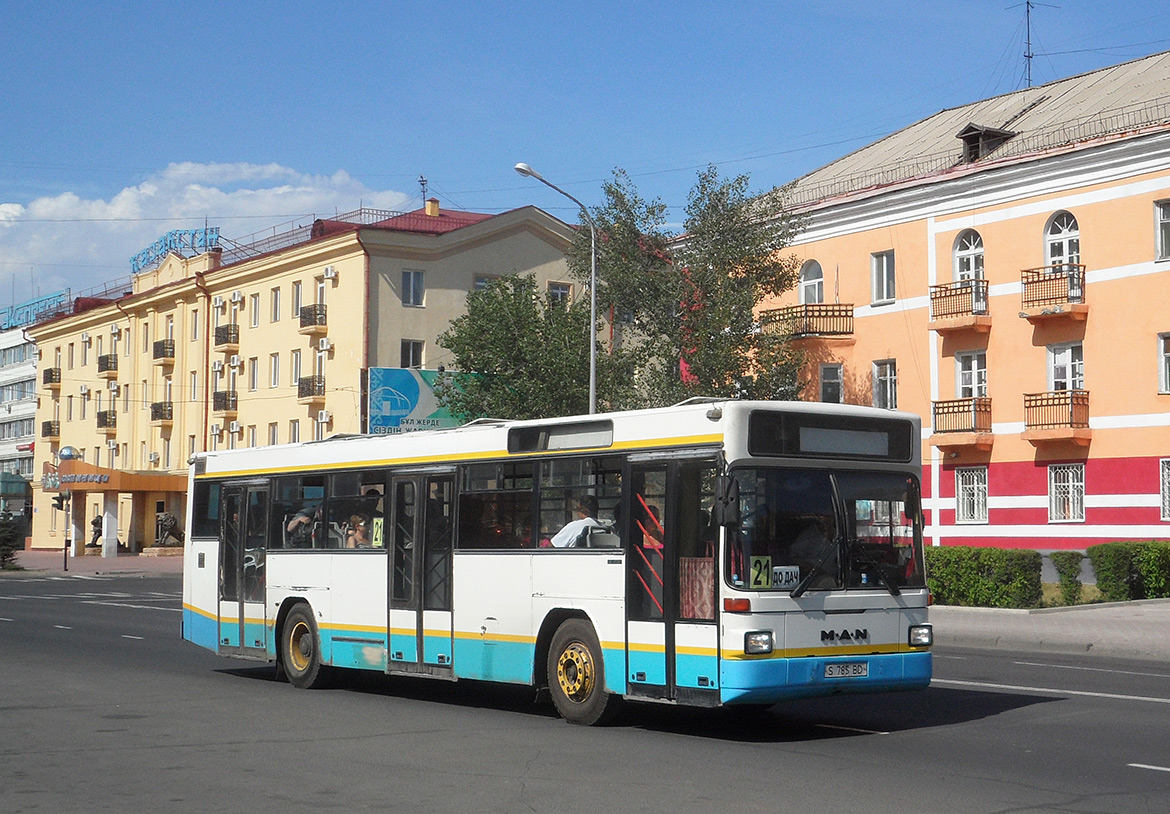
526	170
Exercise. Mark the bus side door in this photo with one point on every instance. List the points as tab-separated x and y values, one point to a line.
421	534
242	584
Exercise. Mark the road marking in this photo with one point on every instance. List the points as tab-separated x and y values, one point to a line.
135	638
1151	768
62	627
1089	669
1017	688
6	619
130	605
853	729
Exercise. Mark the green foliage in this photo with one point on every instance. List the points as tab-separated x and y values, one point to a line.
686	306
11	537
531	355
1068	569
1138	569
984	577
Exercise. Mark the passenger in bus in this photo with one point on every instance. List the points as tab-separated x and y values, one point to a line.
302	526
357	531
576	532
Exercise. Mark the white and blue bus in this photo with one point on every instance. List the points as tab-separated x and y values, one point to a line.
712	553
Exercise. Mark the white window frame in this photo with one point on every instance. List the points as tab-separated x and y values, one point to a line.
274	305
253	374
1062	239
1071	357
294	431
968	256
971	495
560	292
1066	493
1164	363
274	370
254	309
812	283
883	277
294	368
885	384
1164	479
971	374
838	370
412	344
273	434
297	295
414	288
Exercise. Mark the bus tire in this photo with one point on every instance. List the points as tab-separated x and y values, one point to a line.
300	650
576	675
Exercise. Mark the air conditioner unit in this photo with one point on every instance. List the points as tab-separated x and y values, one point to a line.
112	444
324	343
217	366
217	302
83	390
237	296
323	416
235	361
114	330
330	273
153	457
234	427
85	337
114	388
216	429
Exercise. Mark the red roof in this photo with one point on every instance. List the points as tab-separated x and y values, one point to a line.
420	221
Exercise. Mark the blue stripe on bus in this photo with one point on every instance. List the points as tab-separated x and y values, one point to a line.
766	681
200	629
696	672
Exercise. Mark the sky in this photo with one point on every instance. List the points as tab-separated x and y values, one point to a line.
122	121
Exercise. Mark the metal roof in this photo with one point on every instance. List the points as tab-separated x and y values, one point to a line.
1107	103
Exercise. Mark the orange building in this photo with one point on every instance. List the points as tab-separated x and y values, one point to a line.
1003	269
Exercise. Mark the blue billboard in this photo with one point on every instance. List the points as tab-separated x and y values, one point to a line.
403	400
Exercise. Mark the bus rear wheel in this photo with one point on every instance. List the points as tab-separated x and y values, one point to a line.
576	675
300	650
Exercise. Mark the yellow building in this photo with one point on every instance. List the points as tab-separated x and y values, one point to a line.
259	344
1003	269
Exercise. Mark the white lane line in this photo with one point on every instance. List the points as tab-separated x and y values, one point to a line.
135	638
852	729
62	627
1151	768
1089	669
129	605
1018	688
6	619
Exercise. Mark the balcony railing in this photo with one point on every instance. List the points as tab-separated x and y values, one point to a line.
1050	286
107	363
107	420
225	401
227	335
164	349
50	429
1061	409
311	387
162	411
960	299
962	415
313	316
51	376
810	319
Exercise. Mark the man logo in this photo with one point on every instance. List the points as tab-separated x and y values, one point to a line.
845	635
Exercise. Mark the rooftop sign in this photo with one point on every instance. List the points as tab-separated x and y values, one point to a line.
26	313
185	242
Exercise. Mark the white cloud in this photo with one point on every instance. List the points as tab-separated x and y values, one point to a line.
65	241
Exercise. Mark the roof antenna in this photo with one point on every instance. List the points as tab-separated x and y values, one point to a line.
422	182
1028	43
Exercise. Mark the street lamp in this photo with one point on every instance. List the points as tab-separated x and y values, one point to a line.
524	169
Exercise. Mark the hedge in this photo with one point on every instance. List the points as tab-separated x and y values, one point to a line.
984	577
1068	569
1137	569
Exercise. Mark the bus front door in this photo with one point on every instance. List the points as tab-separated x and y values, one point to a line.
672	639
422	531
242	601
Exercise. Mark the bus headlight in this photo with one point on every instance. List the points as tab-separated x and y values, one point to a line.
921	635
756	642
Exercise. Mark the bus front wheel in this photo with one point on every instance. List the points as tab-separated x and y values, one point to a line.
300	650
576	675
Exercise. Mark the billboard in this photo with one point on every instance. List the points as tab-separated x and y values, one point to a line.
403	400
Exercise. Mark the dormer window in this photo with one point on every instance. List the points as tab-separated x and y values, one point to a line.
979	142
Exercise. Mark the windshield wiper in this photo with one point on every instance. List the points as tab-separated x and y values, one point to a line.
879	567
802	586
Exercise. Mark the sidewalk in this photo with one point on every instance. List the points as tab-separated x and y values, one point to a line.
1131	630
41	562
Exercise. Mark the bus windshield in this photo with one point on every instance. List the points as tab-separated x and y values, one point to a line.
813	530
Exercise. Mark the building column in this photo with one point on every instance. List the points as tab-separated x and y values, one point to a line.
109	524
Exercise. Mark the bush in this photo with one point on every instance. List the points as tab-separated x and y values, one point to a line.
1138	569
1151	566
1113	565
11	536
984	577
1068	569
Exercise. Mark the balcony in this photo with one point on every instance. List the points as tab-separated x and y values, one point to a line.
162	414
1062	415
227	338
959	306
50	429
313	320
107	421
809	320
164	352
962	423
107	366
225	402
51	376
311	390
1054	291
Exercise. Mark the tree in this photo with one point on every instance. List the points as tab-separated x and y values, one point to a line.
687	303
11	535
529	355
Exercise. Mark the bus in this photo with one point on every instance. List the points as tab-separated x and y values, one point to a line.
713	553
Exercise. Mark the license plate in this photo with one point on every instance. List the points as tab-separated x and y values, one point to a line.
847	669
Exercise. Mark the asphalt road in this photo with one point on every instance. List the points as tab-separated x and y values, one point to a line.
104	708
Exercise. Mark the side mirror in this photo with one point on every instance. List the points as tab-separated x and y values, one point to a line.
726	509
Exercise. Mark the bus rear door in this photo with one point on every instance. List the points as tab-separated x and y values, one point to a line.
242	600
